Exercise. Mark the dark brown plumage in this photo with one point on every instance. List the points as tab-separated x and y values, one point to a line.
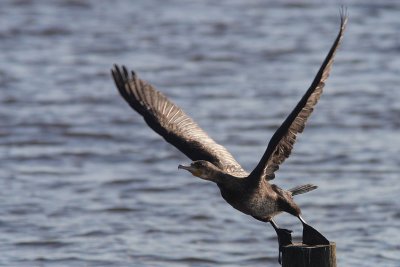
172	123
281	143
250	193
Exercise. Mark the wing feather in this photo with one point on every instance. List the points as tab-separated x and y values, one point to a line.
281	143
171	122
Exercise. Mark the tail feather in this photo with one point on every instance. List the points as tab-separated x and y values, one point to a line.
301	189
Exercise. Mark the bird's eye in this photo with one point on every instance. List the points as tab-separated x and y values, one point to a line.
198	164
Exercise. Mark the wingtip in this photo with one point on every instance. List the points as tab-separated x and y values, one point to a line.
125	71
120	72
115	68
344	16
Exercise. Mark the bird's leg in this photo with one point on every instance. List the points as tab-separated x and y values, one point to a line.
284	238
311	236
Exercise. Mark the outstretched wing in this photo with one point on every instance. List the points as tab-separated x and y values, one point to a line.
169	121
281	144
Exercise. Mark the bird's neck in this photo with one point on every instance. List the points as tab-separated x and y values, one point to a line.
228	181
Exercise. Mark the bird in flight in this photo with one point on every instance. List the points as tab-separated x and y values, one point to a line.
251	193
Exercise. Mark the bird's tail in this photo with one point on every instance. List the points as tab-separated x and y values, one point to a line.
301	189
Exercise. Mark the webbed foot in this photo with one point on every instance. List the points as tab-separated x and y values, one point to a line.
311	236
284	238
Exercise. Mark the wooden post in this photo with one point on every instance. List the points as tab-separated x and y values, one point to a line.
301	255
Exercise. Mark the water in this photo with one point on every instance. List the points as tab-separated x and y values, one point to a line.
84	182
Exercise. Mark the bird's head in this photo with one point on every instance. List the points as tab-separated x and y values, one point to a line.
203	169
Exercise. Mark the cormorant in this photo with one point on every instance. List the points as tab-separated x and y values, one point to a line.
250	193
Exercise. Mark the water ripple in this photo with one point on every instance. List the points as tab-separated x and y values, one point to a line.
86	182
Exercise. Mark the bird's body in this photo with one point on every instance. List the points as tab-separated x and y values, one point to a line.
251	193
261	202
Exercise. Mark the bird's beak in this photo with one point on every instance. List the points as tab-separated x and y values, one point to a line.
194	171
188	168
